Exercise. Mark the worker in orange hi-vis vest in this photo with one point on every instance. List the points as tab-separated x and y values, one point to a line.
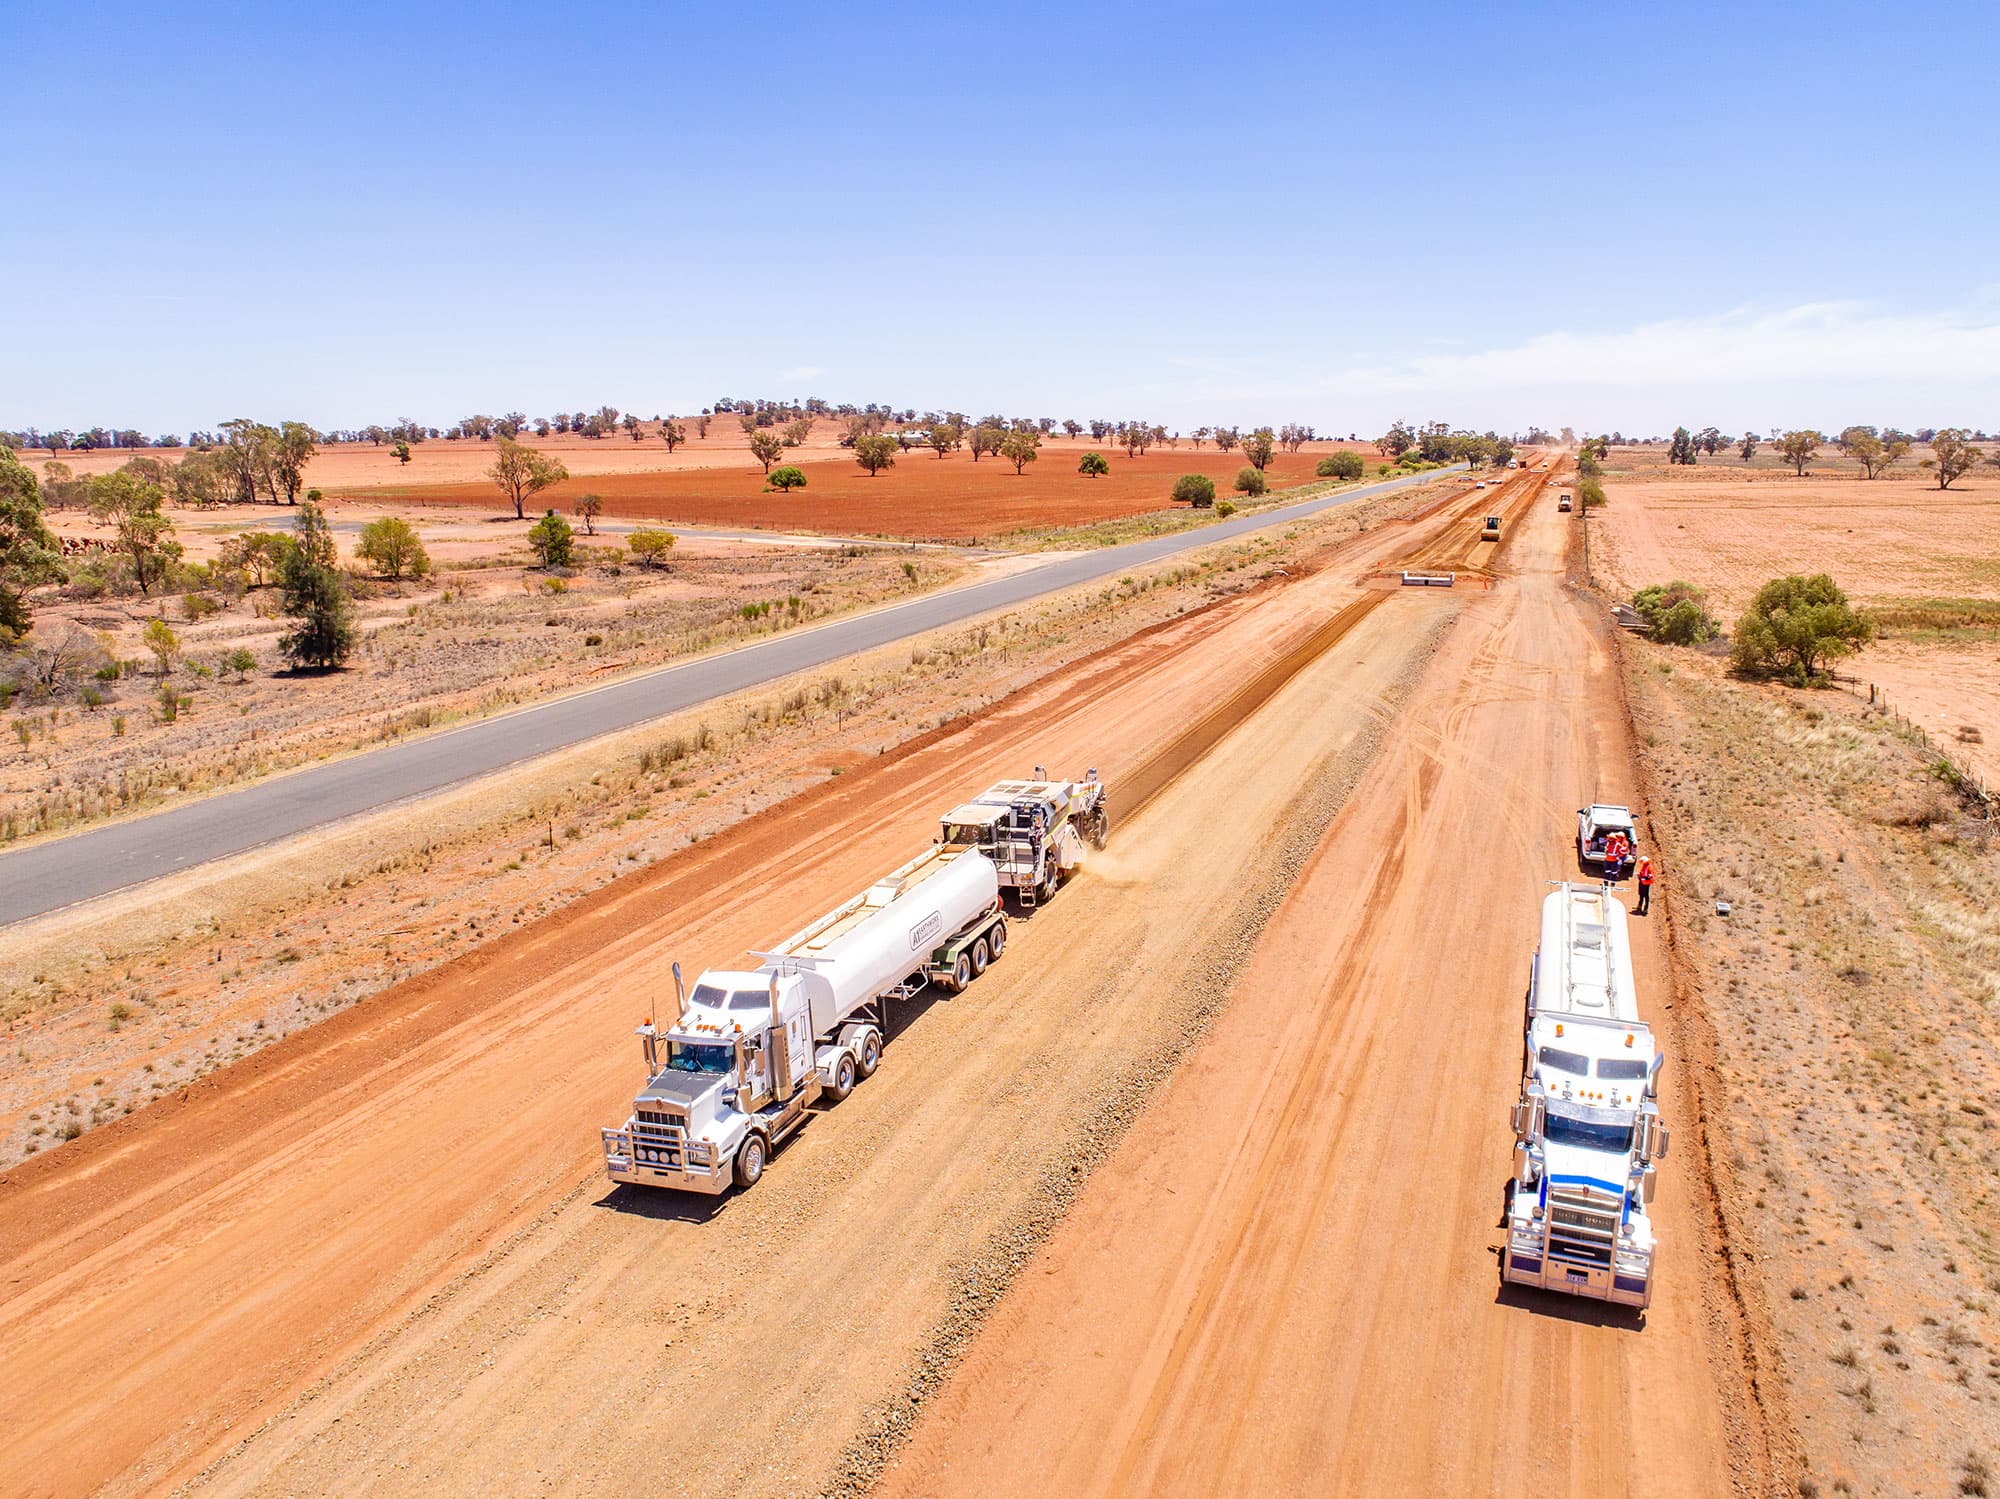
1645	882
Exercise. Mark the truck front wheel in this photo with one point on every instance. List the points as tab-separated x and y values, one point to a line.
750	1156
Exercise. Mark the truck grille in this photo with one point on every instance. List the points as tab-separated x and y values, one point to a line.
1583	1226
659	1137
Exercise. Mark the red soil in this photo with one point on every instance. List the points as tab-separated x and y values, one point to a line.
922	497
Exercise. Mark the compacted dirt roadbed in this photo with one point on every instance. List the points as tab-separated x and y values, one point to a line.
1284	1281
403	1206
382	1257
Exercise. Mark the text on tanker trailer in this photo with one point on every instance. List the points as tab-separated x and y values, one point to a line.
1587	1128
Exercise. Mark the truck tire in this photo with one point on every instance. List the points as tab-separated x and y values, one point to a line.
980	957
961	974
996	941
750	1158
1100	830
844	1077
871	1053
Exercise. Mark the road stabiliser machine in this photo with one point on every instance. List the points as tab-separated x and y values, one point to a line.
752	1050
1036	832
1587	1128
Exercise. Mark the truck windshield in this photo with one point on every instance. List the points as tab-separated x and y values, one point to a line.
1629	1069
1560	1131
688	1056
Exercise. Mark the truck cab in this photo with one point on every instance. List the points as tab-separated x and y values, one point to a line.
726	1083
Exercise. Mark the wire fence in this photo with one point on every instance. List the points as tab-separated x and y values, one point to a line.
1952	766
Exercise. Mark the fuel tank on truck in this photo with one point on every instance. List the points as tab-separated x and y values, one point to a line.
884	935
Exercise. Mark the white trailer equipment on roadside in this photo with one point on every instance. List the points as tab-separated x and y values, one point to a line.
1587	1128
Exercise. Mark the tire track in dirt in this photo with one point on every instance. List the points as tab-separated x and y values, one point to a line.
1283	1282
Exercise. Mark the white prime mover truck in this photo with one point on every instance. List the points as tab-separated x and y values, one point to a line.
1587	1128
736	1073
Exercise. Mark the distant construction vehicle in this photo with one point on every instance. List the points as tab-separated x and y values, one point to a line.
1587	1128
1491	530
1036	832
737	1072
1563	502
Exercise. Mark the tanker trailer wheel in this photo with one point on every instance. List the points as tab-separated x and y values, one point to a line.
980	957
871	1053
996	941
843	1077
961	974
750	1157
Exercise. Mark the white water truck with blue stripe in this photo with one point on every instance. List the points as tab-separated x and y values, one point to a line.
1587	1128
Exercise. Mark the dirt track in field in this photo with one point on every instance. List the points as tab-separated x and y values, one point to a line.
382	1256
1284	1281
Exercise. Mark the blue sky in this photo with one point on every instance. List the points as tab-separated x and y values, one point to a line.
1598	215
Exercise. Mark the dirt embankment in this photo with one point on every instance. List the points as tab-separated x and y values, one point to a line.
1850	994
129	999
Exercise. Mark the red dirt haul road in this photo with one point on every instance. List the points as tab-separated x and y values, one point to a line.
383	1258
1284	1281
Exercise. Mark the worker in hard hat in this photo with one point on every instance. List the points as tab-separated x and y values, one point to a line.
1616	850
1645	882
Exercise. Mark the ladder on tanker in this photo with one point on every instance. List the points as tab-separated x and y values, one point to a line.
1591	939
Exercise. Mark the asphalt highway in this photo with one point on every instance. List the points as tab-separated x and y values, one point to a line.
48	876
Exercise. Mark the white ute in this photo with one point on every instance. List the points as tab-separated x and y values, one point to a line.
1587	1128
1597	822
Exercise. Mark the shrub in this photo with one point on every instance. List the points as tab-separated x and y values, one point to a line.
196	606
1341	465
1092	465
553	540
1197	490
1590	494
391	544
1797	625
240	661
1225	509
650	547
788	478
1676	613
1251	481
163	643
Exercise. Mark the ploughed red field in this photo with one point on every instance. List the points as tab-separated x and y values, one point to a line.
923	497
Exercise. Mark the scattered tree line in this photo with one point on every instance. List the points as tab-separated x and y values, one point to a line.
1438	442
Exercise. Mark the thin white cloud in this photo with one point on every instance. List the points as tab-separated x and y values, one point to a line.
1818	341
798	374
